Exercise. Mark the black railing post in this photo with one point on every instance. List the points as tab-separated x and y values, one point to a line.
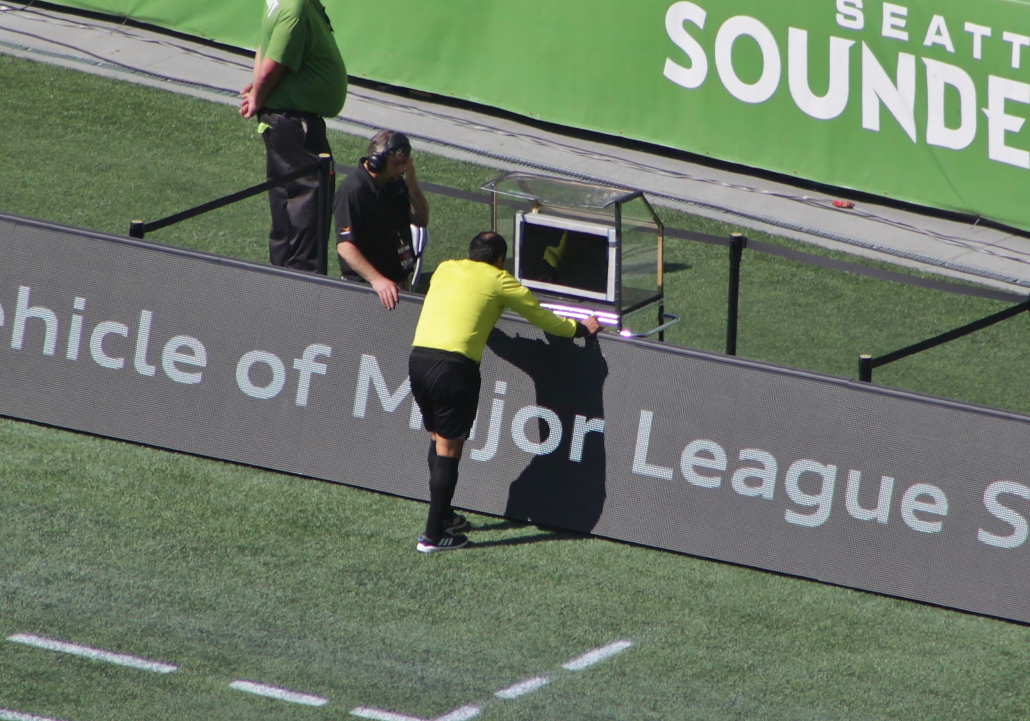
136	229
865	368
325	169
737	244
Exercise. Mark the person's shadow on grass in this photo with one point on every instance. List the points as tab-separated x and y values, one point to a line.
545	534
556	490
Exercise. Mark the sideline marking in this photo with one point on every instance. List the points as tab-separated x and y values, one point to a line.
589	658
462	714
279	693
515	691
523	687
380	715
8	715
94	653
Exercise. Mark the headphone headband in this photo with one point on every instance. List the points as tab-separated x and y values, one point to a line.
398	143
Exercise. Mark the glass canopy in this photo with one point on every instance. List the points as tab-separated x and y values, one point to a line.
587	198
558	191
639	231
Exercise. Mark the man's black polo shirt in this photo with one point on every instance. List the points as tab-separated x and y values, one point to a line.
376	220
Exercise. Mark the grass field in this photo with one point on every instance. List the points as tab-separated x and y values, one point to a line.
234	573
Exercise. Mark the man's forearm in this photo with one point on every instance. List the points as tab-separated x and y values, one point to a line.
266	77
386	289
357	261
419	204
257	66
247	107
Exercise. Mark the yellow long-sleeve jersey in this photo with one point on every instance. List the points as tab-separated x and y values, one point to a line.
465	300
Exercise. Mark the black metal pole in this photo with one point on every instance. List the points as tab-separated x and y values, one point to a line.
325	169
865	368
136	229
737	244
661	320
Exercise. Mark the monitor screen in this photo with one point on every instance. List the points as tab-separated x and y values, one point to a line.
565	256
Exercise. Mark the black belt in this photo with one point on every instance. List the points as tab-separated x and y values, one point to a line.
290	114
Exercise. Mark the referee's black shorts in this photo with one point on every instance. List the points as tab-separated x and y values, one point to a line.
446	388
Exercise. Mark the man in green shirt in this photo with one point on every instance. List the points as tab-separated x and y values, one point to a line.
464	302
299	79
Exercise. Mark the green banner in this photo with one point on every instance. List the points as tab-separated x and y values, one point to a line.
921	101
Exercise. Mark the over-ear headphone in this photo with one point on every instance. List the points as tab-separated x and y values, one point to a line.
398	142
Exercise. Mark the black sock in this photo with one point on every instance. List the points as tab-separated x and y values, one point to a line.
431	458
441	490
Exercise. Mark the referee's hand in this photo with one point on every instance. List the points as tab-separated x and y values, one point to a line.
591	325
387	291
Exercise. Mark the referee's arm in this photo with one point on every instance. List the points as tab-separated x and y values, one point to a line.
519	298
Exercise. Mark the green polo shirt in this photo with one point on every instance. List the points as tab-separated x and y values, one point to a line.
296	33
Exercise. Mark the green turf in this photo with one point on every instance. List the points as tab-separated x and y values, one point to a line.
232	573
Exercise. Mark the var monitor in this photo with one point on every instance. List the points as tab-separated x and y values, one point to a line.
565	257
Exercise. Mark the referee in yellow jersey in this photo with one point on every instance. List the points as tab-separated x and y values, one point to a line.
465	301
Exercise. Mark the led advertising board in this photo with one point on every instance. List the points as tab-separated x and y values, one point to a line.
799	473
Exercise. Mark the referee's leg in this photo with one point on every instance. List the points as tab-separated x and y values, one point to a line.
442	482
446	388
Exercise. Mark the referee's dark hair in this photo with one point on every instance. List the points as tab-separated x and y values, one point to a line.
488	247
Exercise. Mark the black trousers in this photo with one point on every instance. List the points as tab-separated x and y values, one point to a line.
294	141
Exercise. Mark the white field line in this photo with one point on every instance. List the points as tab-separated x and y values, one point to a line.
93	653
278	693
596	656
462	714
522	688
7	715
379	715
